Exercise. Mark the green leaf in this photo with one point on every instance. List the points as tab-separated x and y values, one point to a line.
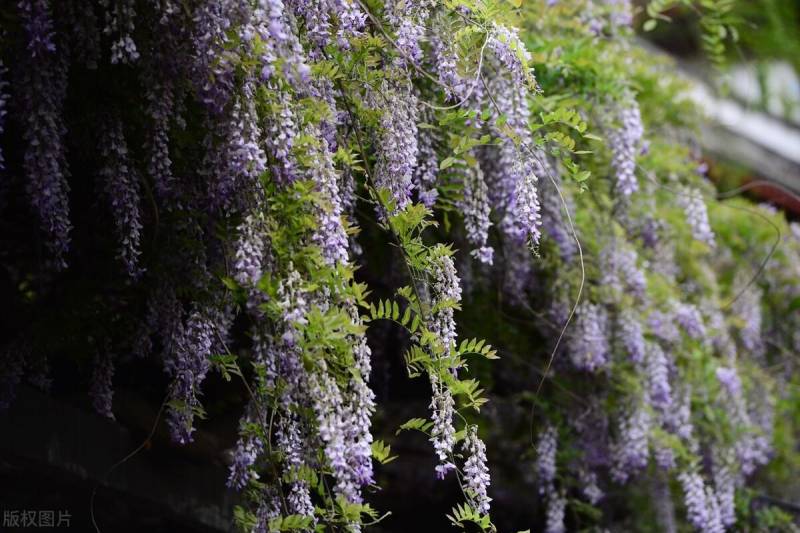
382	452
419	424
649	25
446	163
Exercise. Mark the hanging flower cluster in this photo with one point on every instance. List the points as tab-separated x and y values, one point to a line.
263	165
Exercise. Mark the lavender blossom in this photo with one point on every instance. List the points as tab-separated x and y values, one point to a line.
476	473
282	131
241	161
511	167
101	388
408	19
248	448
661	325
631	449
556	509
291	445
426	173
12	368
691	201
689	318
554	221
330	234
589	487
188	366
624	142
747	308
476	209
588	344
44	79
120	22
546	448
443	433
630	333
729	379
121	185
659	389
446	289
701	504
620	271
3	106
456	87
725	491
398	147
510	52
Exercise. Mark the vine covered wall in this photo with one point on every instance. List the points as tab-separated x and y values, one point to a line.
503	202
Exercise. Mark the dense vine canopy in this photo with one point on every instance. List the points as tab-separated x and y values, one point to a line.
513	190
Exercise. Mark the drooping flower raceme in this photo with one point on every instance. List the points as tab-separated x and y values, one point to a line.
588	345
121	184
694	207
556	509
631	451
546	448
45	81
398	147
701	504
101	388
3	106
120	24
476	211
629	331
476	473
659	389
624	142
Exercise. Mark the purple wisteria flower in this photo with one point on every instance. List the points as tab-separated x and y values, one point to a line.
631	451
554	220
702	508
3	106
446	291
445	60
511	167
690	319
624	142
476	473
44	77
589	486
621	272
427	170
188	366
662	325
443	432
398	148
120	182
729	379
545	466
476	209
657	371
101	388
694	207
281	133
292	446
248	448
747	308
237	164
120	24
408	19
588	345
556	510
510	52
330	234
629	331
